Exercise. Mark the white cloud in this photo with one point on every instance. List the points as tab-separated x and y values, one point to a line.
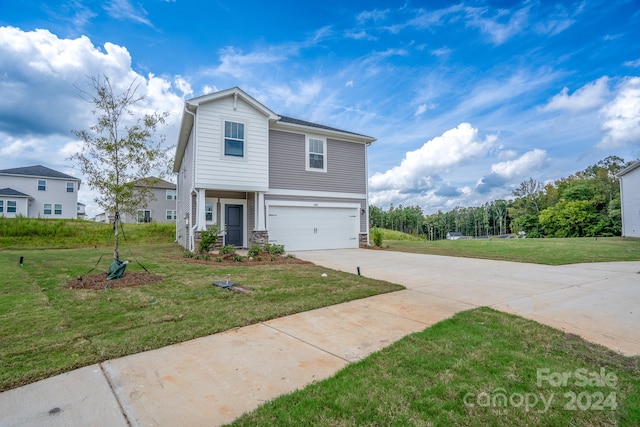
633	64
235	63
621	117
123	9
41	103
498	31
521	166
420	167
589	96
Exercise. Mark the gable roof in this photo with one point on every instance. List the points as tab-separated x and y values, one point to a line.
154	182
10	192
629	168
191	106
37	171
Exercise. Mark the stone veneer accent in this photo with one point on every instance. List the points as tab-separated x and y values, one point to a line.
259	237
363	240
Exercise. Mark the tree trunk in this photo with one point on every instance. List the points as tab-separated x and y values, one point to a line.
116	224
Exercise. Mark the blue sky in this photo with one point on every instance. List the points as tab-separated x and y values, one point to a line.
466	100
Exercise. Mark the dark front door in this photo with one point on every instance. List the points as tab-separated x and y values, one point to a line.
233	219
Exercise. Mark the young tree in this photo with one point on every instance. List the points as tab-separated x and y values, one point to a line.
119	150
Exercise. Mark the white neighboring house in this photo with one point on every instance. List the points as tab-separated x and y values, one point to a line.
630	199
162	209
263	177
38	192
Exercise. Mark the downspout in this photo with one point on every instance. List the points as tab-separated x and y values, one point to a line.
366	183
191	228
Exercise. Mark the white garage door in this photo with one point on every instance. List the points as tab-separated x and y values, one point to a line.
312	227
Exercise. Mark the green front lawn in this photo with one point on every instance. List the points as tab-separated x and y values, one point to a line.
538	251
46	329
478	368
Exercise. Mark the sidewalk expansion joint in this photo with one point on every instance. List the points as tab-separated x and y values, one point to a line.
307	343
115	395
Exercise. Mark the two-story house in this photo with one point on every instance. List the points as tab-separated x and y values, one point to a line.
630	199
160	208
38	192
268	178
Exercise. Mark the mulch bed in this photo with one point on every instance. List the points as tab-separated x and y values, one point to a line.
227	260
100	282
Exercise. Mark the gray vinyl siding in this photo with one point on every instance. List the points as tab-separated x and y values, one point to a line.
346	169
362	202
55	193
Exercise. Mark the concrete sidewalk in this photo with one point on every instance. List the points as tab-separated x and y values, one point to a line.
213	380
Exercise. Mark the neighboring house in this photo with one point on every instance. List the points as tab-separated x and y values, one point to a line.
82	211
268	178
38	192
162	207
630	199
454	235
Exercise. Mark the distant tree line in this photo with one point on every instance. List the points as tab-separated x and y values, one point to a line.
584	204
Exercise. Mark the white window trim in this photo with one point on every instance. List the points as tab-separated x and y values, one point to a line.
61	208
15	206
171	215
214	210
73	187
324	153
44	209
38	184
173	194
245	151
1	206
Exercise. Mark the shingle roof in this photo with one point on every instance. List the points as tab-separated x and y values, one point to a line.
291	120
156	183
12	193
37	170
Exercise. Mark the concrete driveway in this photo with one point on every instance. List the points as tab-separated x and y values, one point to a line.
598	301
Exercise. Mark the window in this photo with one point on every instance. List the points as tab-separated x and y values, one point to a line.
70	187
316	154
1	206
208	211
171	215
11	206
42	185
47	208
144	216
233	139
57	209
171	194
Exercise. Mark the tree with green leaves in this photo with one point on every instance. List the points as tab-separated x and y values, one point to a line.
119	150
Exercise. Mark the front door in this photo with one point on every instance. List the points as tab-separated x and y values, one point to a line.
233	225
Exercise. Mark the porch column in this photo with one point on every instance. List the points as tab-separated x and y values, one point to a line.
200	210
259	202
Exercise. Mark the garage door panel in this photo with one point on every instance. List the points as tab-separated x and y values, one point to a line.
302	227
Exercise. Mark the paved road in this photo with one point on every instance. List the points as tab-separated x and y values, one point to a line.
213	380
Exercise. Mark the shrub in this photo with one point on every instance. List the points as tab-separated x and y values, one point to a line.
254	250
188	254
227	249
274	249
376	234
208	238
238	258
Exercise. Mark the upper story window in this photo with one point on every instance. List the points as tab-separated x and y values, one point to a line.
70	187
171	194
42	185
316	154
233	139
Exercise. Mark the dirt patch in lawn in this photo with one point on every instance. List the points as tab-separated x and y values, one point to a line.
99	281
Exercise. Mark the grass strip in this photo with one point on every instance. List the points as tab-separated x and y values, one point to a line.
479	368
